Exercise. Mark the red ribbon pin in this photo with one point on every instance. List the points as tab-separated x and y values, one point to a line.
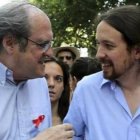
39	120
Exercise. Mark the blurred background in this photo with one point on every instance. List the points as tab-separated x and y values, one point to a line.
73	20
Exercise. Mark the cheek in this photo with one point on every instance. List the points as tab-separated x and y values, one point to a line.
116	58
36	54
122	63
60	89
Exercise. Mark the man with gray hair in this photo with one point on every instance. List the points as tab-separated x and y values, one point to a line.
25	43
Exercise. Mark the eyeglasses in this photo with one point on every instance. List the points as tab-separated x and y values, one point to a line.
62	57
45	45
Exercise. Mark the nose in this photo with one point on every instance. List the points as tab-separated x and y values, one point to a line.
49	52
100	52
51	82
64	60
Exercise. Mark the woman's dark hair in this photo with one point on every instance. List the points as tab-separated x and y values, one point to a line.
125	19
63	104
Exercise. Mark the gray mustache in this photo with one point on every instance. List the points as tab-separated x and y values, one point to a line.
45	59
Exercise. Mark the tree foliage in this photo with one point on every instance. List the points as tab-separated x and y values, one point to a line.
73	20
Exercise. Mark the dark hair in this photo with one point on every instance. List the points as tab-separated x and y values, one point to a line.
63	104
14	21
84	66
125	19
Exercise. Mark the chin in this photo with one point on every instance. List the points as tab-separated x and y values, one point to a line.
52	100
40	73
110	76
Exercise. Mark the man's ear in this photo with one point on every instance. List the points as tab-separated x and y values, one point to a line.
8	43
137	52
75	80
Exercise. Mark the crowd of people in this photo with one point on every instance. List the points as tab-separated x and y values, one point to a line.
51	93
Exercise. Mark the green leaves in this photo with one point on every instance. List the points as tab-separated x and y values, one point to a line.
73	20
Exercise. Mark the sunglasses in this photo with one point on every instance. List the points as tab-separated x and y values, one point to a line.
66	57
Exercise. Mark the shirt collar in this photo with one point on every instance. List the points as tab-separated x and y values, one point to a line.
110	83
5	74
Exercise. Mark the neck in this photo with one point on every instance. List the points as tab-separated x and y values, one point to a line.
130	80
55	117
54	106
130	84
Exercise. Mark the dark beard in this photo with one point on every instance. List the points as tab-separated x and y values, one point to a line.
111	77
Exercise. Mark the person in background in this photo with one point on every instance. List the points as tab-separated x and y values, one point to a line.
25	42
81	67
67	54
57	76
106	105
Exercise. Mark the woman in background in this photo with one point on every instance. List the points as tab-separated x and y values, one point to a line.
57	76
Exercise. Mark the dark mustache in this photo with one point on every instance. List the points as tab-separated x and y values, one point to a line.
102	60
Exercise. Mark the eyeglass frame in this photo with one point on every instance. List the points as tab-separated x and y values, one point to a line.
45	46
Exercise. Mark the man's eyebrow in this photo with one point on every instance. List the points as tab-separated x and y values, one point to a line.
105	41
